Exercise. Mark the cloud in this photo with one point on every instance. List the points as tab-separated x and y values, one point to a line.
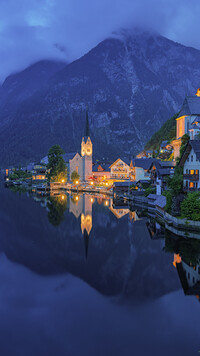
66	29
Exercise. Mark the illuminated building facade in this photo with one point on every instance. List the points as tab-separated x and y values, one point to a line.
188	121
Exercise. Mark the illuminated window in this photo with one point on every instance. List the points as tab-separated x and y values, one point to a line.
197	171
76	169
191	171
191	185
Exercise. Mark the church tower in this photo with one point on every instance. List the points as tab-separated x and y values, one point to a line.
86	151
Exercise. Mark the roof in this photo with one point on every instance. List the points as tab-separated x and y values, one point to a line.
123	160
144	163
164	171
167	163
106	167
191	106
122	184
194	127
195	144
161	201
68	156
153	196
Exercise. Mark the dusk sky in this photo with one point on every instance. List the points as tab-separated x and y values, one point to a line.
65	29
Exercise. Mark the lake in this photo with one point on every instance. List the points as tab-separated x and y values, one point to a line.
83	275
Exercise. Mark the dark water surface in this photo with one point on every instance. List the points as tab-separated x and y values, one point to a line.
80	276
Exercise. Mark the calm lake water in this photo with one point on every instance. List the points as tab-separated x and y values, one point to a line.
82	276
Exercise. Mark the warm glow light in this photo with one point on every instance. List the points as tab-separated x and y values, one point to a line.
63	197
76	181
106	203
92	183
92	200
77	198
62	180
106	183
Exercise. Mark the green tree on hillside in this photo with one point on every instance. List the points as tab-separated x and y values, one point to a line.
166	132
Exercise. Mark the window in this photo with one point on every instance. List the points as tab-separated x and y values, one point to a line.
191	171
188	159
186	171
193	280
186	183
192	158
188	275
191	185
197	171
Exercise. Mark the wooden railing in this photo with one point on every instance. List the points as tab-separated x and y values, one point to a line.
193	177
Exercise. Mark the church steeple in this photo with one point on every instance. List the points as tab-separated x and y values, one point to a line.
87	126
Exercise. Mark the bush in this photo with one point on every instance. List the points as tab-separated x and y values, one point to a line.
190	207
168	195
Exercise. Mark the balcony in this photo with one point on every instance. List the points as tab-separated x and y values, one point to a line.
192	177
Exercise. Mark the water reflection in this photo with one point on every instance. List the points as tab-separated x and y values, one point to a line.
187	263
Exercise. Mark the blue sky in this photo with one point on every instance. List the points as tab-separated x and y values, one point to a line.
31	30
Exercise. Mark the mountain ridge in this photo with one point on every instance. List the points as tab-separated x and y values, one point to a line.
132	86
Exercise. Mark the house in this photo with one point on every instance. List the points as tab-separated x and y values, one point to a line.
101	171
119	169
82	163
149	153
189	115
121	188
139	169
159	172
165	147
39	172
190	161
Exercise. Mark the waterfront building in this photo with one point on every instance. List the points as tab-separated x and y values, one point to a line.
119	169
139	169
101	171
189	115
190	161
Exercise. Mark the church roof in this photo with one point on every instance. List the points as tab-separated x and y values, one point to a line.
68	156
191	106
195	144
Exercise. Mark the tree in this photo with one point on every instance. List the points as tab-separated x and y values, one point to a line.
75	177
190	207
56	164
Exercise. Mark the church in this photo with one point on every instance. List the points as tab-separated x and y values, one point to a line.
188	121
82	163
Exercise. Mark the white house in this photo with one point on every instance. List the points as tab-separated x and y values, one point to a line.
190	161
119	169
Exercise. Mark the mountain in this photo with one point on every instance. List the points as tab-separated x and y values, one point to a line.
166	132
132	83
21	86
